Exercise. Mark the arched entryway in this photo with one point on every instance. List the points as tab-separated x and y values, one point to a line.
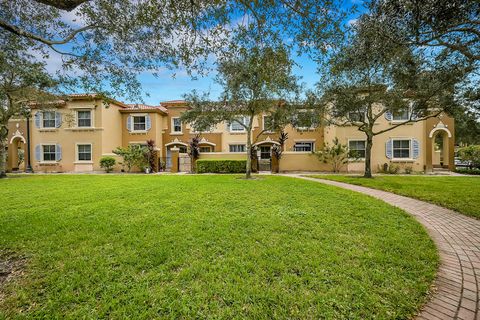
264	154
440	148
183	148
16	154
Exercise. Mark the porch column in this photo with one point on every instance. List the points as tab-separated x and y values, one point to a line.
174	152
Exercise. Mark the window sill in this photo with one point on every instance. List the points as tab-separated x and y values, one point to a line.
176	133
48	129
138	132
237	132
84	129
83	162
48	163
402	160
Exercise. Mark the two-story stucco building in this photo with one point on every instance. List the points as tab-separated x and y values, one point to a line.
72	135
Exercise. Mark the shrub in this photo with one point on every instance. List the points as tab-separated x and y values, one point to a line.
471	155
221	166
408	169
468	171
107	163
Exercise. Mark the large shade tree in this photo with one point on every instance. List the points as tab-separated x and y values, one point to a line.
22	81
104	44
256	80
371	78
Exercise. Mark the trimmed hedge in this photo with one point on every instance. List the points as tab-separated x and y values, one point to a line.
221	166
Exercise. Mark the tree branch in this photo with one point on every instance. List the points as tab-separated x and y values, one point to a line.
20	32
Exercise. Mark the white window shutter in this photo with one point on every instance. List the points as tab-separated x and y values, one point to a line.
389	149
415	149
129	123
38	119
38	152
148	122
388	115
58	119
58	152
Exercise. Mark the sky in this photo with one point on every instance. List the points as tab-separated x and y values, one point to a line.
174	84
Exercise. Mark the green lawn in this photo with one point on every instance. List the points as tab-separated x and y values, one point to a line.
457	193
143	247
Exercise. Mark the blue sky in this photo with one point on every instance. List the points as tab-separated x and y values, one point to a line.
165	87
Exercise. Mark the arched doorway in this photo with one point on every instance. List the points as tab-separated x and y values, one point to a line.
183	148
264	154
16	154
441	148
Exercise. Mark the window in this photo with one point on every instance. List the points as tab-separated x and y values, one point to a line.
401	114
84	118
237	148
237	127
303	147
176	125
356	116
356	148
305	120
268	123
84	152
401	148
139	123
49	119
48	152
205	149
265	152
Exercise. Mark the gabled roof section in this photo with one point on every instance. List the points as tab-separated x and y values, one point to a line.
174	103
138	107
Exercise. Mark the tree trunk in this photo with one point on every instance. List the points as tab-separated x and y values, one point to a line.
3	156
368	157
248	173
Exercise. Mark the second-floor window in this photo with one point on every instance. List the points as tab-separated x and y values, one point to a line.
303	147
84	118
139	123
356	116
237	148
49	119
235	126
176	125
268	123
401	114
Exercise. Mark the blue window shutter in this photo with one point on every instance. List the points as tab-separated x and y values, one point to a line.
58	119
58	152
388	115
415	148
38	119
129	123
389	149
38	152
148	122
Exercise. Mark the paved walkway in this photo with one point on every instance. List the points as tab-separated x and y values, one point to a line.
458	241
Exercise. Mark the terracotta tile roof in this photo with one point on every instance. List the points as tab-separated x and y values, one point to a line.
174	102
145	107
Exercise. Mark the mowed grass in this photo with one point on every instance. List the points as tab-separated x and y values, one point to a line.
461	194
143	247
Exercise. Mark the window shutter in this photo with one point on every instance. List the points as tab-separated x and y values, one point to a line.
389	149
129	123
148	122
38	119
58	119
58	152
415	148
38	152
388	115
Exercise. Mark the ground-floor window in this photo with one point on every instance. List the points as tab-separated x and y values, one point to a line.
204	149
84	152
303	147
237	148
356	148
401	148
49	152
265	152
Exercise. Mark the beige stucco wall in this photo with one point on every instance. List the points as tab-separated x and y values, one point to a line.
302	161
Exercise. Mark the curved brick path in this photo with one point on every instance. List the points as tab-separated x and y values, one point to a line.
458	241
